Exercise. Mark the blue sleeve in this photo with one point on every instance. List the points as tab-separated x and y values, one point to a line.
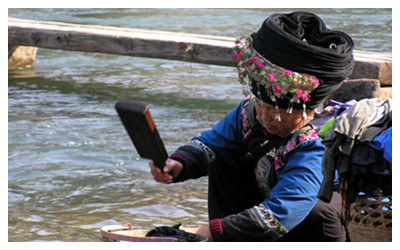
225	138
295	193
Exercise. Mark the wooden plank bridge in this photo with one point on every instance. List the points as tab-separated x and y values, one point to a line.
197	48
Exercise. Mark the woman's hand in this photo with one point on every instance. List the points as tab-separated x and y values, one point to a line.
171	167
203	231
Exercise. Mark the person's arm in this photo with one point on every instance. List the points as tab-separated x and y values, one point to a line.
222	142
203	231
170	171
289	203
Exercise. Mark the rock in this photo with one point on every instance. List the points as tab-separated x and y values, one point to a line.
21	56
373	65
356	89
385	93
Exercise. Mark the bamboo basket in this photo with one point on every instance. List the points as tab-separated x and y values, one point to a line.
371	218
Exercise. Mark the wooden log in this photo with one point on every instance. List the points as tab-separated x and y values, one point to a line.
123	41
159	44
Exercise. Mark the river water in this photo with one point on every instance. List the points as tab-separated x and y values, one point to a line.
71	165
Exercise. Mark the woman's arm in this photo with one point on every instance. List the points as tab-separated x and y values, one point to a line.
222	143
289	203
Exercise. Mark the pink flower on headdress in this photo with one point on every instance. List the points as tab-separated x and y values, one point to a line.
305	97
251	59
298	93
314	82
246	63
237	56
240	73
278	88
288	72
259	65
270	77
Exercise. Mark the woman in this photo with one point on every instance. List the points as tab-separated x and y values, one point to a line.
264	159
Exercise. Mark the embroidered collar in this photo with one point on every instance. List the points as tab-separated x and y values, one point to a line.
304	134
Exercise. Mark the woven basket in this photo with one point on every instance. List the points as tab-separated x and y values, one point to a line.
371	218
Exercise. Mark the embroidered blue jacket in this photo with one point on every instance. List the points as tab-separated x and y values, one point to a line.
297	166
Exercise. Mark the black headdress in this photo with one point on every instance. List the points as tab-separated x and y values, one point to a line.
294	60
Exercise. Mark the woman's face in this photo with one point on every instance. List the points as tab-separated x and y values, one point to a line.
267	116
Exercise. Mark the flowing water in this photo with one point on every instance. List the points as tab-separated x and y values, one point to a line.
71	165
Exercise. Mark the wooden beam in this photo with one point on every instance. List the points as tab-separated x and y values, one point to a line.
159	44
122	41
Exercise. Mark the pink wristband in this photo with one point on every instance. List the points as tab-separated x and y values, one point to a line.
216	229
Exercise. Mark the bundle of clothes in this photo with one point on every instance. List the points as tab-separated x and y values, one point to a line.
358	149
175	232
